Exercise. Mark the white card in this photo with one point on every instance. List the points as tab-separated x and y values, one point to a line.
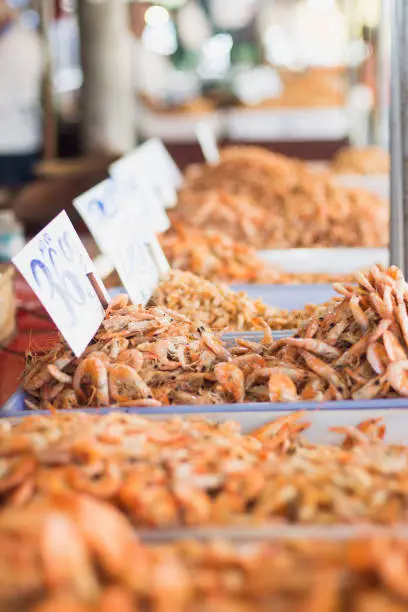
208	142
123	232
55	264
152	161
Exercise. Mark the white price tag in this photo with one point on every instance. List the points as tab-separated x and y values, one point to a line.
123	232
55	264
208	142
152	161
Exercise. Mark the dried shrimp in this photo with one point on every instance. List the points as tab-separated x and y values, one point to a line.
355	347
215	256
219	307
365	160
80	555
193	472
267	200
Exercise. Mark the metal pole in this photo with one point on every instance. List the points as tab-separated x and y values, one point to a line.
383	76
404	123
396	138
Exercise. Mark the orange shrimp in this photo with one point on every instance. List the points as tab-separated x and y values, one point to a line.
92	372
281	388
231	378
132	358
125	384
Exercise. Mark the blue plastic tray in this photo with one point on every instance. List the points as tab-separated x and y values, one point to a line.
15	407
289	297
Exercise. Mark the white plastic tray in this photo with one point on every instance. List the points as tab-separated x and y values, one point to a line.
287	124
377	183
176	127
327	261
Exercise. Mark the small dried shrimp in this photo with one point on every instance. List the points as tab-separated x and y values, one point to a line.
215	256
266	200
219	307
80	555
193	472
365	160
357	346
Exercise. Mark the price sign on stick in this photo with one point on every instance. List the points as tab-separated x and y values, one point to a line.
55	264
152	162
208	142
123	232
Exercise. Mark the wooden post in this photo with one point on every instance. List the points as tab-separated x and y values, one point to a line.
50	129
108	106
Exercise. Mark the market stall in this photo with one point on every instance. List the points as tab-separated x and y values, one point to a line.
213	400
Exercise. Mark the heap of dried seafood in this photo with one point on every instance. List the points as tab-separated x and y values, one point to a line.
269	201
365	160
217	257
219	307
357	346
193	472
80	555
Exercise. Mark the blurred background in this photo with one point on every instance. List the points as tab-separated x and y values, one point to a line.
81	81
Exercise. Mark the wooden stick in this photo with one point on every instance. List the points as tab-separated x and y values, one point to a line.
97	288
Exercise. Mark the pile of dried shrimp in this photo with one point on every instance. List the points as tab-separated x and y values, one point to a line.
365	160
220	308
80	555
215	256
193	472
270	201
355	347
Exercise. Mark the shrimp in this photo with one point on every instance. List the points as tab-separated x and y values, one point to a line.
401	311
343	289
91	372
231	378
247	362
361	346
114	347
373	388
132	357
377	357
216	346
66	560
268	337
66	399
393	348
363	281
325	371
118	303
281	388
125	384
58	375
397	377
314	346
334	334
358	313
312	391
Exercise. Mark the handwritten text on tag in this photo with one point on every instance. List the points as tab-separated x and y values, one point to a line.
152	162
125	237
55	264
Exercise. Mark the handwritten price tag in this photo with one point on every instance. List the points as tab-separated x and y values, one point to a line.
55	264
123	232
152	161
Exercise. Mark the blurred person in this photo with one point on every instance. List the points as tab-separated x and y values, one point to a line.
21	71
